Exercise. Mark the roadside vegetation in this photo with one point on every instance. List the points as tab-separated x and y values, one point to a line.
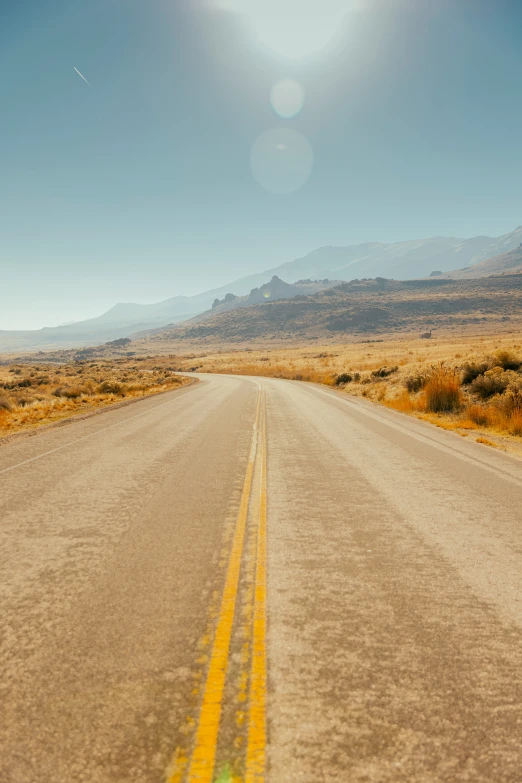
484	394
472	385
465	384
40	393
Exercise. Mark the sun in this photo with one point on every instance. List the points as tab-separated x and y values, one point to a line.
292	28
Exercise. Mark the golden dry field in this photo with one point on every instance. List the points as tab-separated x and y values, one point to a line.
32	394
472	385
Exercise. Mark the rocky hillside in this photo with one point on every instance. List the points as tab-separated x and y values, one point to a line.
367	307
268	292
400	260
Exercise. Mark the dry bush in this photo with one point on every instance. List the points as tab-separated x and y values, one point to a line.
22	401
486	442
67	389
507	360
515	423
6	404
479	415
88	388
111	387
511	402
450	404
491	383
403	403
73	392
504	415
442	392
414	383
384	372
473	370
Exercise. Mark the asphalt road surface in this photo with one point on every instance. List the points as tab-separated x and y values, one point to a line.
259	580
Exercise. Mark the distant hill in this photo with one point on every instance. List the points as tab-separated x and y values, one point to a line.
398	260
124	320
350	310
506	263
273	291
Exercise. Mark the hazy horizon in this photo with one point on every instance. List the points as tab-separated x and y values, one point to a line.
156	178
220	284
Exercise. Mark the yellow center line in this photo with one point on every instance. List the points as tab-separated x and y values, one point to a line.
204	755
256	745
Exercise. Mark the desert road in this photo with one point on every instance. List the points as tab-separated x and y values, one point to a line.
252	579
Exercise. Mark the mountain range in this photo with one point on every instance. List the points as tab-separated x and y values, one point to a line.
349	311
399	260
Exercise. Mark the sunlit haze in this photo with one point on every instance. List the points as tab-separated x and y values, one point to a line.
261	391
293	28
157	149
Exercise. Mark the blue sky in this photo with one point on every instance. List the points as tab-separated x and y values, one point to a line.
139	186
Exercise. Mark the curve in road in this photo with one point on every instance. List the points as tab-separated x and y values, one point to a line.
323	591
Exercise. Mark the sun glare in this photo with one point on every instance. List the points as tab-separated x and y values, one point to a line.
292	28
287	97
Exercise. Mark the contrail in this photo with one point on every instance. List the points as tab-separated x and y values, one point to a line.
83	77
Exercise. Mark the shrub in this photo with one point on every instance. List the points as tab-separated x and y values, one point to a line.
344	377
515	423
6	404
487	442
507	360
443	392
414	383
473	370
22	401
478	415
88	388
511	402
383	372
489	384
403	403
72	393
110	387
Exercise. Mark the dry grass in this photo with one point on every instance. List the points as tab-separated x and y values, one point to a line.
487	442
462	384
36	394
418	377
442	391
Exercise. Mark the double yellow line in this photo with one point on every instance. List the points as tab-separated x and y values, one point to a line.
203	758
255	757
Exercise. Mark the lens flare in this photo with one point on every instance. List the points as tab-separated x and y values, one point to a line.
287	98
281	160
